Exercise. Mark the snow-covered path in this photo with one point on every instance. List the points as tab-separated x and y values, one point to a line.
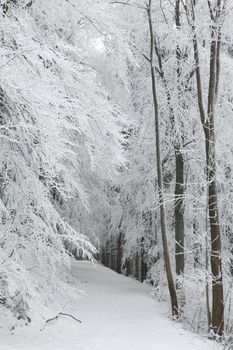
117	313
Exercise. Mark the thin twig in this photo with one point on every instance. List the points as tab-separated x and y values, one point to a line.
15	56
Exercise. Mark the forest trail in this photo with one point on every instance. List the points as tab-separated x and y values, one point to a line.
117	313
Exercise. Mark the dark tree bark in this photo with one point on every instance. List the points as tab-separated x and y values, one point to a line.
209	131
179	162
179	159
169	275
216	247
127	266
107	261
103	256
179	213
112	253
119	253
136	266
143	266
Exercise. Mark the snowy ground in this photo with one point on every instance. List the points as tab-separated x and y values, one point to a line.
117	313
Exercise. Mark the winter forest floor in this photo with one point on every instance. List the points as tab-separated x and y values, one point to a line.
117	313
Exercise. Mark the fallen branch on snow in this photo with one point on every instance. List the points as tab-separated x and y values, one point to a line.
56	317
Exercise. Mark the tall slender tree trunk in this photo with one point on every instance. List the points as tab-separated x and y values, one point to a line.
209	132
179	213
207	283
216	247
179	188
127	266
143	267
119	253
179	159
119	248
169	275
137	266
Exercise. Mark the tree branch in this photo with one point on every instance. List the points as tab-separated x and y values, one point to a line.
134	4
57	316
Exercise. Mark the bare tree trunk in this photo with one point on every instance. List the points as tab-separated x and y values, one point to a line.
207	283
119	252
107	259
143	267
127	266
179	188
112	252
136	269
170	280
103	255
179	160
216	248
119	248
209	132
179	213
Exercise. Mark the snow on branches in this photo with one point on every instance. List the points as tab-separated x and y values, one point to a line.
58	130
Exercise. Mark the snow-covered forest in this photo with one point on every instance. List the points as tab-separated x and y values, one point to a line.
116	124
